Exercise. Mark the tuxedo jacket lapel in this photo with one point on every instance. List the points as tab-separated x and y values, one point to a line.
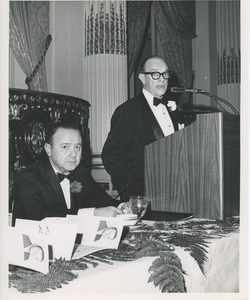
75	202
52	179
150	118
77	197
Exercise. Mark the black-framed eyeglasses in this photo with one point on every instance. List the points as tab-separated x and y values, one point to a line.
157	75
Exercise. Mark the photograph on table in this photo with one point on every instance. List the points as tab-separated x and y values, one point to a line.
104	232
55	232
29	251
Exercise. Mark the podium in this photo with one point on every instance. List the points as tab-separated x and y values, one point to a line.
196	169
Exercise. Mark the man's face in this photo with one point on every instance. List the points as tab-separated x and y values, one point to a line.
109	233
155	87
65	151
36	253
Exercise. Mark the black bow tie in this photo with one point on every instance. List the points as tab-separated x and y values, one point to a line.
70	176
157	101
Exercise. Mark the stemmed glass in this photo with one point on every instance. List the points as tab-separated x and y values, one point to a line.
138	205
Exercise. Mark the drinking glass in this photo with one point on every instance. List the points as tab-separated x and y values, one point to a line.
138	205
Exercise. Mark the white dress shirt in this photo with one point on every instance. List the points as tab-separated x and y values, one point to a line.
161	114
65	185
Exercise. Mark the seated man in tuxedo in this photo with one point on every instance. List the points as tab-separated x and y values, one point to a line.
136	123
59	184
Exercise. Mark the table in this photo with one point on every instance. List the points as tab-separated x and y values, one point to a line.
221	270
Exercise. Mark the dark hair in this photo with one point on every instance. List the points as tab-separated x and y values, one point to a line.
144	62
53	127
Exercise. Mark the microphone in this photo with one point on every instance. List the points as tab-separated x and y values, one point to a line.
183	90
199	91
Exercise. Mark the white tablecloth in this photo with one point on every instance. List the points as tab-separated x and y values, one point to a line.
221	274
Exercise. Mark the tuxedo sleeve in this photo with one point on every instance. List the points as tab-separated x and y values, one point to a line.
33	199
93	194
114	153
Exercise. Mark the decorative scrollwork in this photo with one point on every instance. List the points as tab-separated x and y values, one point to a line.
56	114
32	111
15	109
37	137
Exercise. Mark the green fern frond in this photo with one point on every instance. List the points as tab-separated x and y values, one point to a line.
172	259
195	244
174	285
124	252
58	274
89	261
164	271
152	247
198	254
70	264
167	273
100	259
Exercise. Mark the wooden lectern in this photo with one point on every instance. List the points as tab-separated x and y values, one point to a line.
197	169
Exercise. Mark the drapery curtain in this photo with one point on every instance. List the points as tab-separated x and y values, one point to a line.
29	39
228	51
138	13
176	27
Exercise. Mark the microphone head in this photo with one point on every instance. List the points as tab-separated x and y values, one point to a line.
183	90
177	90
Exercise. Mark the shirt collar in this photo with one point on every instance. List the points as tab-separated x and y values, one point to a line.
56	171
149	97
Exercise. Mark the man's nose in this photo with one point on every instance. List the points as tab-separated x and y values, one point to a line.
73	152
161	78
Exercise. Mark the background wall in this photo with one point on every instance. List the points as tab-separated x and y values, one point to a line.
64	59
201	57
65	73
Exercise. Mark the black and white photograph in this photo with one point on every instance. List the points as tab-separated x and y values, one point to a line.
59	235
27	251
100	232
125	149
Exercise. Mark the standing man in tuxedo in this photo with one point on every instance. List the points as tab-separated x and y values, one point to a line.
137	123
60	184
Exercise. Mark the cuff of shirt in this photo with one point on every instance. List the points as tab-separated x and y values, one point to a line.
86	212
121	205
126	209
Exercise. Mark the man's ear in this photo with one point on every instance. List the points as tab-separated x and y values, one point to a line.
142	78
47	148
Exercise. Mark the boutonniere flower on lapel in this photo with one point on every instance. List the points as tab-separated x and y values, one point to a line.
75	187
172	105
